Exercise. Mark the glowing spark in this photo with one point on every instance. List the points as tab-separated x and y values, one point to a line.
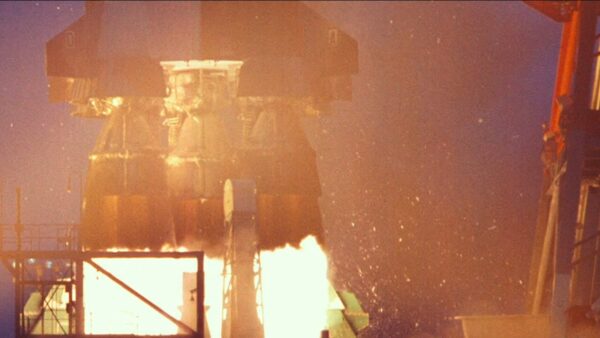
174	161
116	101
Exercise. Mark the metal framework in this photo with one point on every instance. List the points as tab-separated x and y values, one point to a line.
242	283
25	261
567	238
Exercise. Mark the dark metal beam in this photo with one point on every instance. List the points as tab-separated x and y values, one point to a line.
87	255
200	297
79	308
560	11
570	183
112	336
46	307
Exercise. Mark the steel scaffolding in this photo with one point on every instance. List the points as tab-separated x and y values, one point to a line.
45	258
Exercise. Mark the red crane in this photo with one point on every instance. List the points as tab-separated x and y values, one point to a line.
564	282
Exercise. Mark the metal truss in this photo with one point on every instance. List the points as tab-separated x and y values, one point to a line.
67	274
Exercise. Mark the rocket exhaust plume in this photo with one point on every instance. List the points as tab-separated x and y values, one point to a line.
295	294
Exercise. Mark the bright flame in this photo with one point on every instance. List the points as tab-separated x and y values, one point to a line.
295	290
213	296
294	285
109	309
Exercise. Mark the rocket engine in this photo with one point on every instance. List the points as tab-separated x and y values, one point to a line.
276	154
125	196
200	152
193	94
149	185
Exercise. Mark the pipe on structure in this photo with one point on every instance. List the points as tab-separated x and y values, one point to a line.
574	154
545	258
553	148
564	76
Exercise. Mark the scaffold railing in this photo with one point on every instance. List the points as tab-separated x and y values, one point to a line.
44	236
46	262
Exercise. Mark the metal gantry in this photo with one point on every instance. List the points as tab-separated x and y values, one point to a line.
42	273
564	276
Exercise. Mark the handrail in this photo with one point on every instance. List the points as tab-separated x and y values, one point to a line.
59	236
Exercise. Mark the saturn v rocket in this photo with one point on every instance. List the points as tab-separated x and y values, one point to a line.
191	94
